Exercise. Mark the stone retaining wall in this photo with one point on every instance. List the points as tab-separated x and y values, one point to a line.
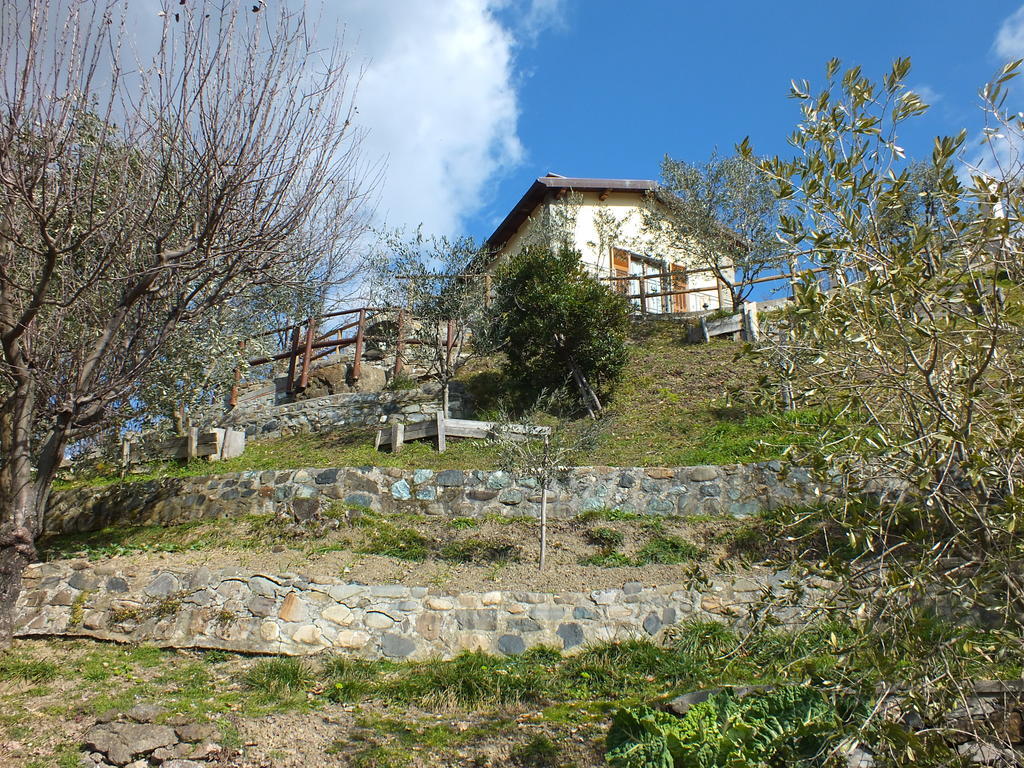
342	411
736	490
289	614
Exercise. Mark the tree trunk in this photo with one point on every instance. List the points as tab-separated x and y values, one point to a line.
544	505
20	512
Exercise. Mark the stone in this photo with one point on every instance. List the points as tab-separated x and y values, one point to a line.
710	490
197	732
626	480
145	712
117	584
499	480
327	477
548	612
292	609
352	639
661	473
571	634
163	585
378	620
308	634
339	614
473	641
83	580
451	478
421	476
605	596
511	645
396	646
632	587
438	603
269	631
523	625
490	598
703	473
481	494
426	494
401	491
652	624
262	606
680	705
510	497
485	620
581	612
120	742
428	625
182	763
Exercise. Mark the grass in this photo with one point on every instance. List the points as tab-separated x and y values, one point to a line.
672	408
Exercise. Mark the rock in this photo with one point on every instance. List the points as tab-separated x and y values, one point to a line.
164	585
652	624
293	609
180	763
269	631
523	625
439	603
308	634
511	645
451	478
120	742
145	712
680	705
571	634
703	474
401	491
378	620
338	614
396	646
481	620
661	473
351	639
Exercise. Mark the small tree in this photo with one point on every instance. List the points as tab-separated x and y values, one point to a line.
722	212
557	324
432	277
542	448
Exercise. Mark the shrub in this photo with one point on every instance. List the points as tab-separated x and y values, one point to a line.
550	316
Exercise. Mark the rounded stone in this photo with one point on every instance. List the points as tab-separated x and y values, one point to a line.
269	631
352	639
339	614
439	603
378	620
511	645
308	634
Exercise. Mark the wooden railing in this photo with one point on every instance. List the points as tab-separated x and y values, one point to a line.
644	295
307	343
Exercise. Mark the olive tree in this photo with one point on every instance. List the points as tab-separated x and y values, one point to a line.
918	351
723	213
138	199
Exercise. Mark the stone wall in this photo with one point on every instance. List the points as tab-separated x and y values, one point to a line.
736	490
289	614
262	420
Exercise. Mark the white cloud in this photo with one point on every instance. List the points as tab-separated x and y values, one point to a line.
438	101
928	94
1009	43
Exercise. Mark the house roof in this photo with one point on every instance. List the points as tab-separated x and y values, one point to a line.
553	182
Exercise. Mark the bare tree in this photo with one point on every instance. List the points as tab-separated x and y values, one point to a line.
136	200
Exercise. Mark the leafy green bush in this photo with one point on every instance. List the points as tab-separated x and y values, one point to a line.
787	725
551	316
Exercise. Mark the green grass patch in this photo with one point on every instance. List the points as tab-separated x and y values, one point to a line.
16	667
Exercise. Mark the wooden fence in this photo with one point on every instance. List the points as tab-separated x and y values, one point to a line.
212	444
666	278
442	428
307	342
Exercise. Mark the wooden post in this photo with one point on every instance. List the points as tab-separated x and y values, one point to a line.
704	330
358	361
643	290
191	443
441	438
397	436
487	291
751	328
307	354
291	361
126	457
400	343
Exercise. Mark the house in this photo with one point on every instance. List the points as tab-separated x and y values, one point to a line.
609	222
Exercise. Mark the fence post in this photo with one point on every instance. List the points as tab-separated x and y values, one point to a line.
400	343
643	292
397	436
751	329
191	443
357	363
442	444
307	353
487	291
291	361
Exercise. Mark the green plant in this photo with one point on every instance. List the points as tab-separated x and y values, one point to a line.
608	538
539	752
479	551
14	667
280	681
558	325
786	725
666	550
462	523
347	679
391	541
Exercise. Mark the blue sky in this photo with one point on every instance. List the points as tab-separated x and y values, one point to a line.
464	102
603	91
